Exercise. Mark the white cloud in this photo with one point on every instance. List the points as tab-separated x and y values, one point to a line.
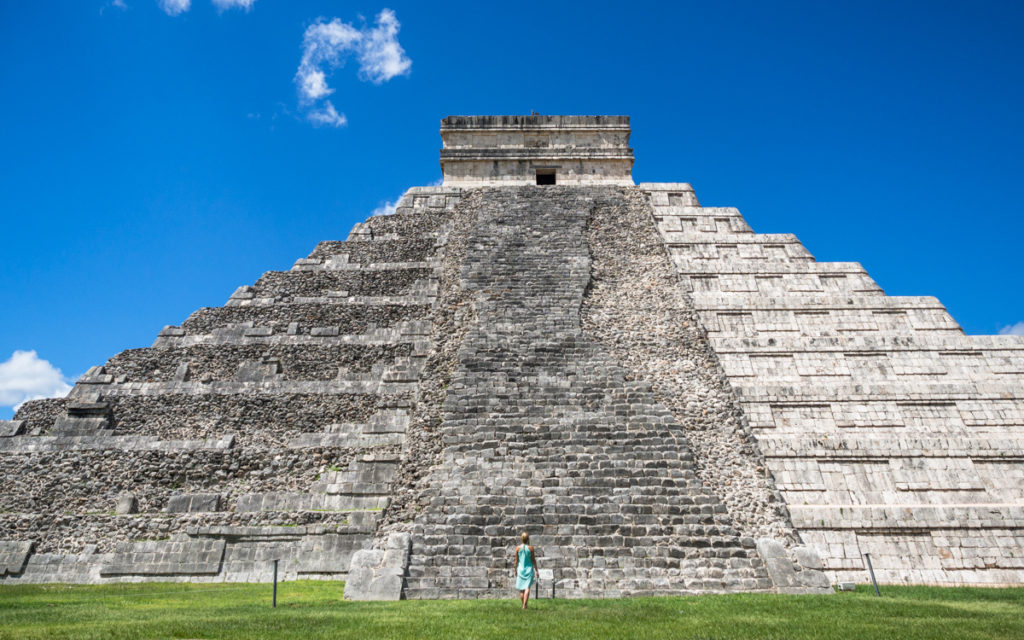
175	7
114	4
387	208
314	86
26	376
381	57
327	45
327	115
1013	330
233	4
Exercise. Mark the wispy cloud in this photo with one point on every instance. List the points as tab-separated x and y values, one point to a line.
233	4
178	7
327	45
380	56
175	7
327	115
1013	330
387	208
25	376
114	4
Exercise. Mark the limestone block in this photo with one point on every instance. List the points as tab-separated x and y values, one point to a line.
11	428
127	503
95	375
160	558
808	558
329	553
181	374
789	576
193	502
13	556
388	421
259	371
377	574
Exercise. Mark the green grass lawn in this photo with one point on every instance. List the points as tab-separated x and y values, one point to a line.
311	610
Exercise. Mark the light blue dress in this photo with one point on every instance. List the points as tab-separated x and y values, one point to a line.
525	576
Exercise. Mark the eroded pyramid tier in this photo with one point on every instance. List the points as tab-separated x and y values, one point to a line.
888	431
269	428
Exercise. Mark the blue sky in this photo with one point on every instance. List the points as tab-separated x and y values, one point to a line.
153	163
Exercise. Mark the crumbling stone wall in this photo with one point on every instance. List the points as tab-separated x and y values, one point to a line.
267	428
284	286
221	362
347	319
75	481
267	420
451	318
636	308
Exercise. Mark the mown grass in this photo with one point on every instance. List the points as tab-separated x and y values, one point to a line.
313	610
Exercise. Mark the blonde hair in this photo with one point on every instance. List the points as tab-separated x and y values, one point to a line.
525	537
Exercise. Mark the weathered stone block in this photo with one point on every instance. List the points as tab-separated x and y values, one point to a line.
193	502
127	503
13	556
11	428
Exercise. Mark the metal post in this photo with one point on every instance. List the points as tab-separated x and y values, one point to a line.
871	570
275	583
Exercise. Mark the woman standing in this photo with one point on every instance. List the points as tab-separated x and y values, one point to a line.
526	568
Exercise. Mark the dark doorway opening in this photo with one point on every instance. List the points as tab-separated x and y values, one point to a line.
545	176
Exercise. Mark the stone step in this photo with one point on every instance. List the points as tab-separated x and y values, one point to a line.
725	253
340	263
306	362
286	285
405	249
276	319
292	502
811	303
845	343
249	416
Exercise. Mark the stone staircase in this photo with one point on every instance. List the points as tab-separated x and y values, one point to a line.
544	432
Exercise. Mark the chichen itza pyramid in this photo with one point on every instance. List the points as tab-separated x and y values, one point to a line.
668	402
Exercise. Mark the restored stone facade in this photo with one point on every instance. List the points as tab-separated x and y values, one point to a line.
667	401
887	430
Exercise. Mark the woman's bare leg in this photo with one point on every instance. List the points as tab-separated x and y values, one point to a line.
526	596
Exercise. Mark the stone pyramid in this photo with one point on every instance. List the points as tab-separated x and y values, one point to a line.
668	403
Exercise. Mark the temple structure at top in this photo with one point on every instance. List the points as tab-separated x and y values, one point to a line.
545	150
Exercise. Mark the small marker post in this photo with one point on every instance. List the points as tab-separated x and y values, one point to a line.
275	585
871	570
